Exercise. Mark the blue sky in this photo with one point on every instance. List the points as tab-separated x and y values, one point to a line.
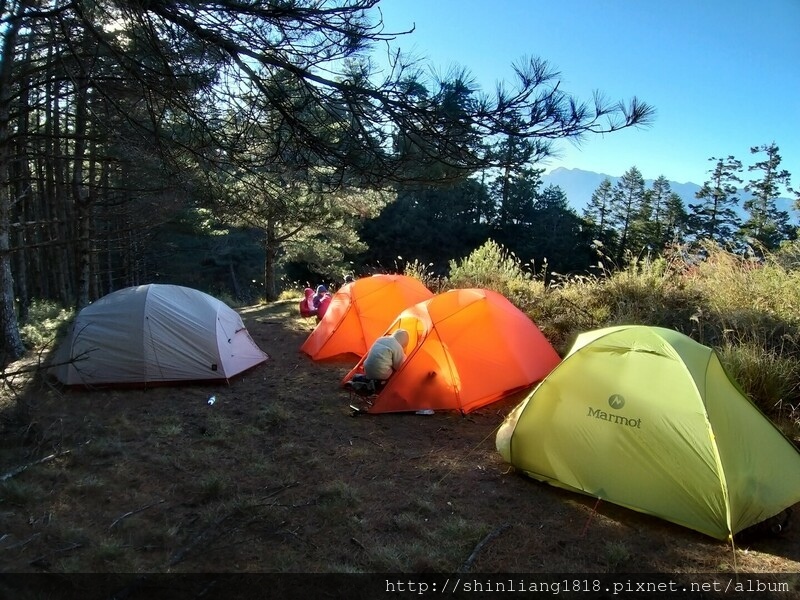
723	75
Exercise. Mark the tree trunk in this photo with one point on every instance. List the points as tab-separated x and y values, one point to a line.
235	287
80	197
23	186
12	347
270	258
61	209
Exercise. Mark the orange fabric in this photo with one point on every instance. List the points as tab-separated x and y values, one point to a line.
468	348
360	312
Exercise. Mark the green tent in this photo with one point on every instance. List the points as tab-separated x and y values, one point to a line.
647	418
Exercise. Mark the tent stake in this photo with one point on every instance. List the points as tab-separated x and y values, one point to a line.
591	514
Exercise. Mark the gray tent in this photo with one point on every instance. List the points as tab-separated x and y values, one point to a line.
155	334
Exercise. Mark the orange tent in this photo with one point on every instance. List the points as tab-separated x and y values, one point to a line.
467	348
360	312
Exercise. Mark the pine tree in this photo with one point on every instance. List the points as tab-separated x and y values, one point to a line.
675	221
630	208
659	202
514	183
515	195
556	236
767	225
714	218
598	211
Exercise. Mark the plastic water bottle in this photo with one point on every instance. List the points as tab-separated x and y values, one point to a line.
211	400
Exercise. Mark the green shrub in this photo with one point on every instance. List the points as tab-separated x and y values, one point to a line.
735	283
648	292
422	272
788	255
492	267
651	293
568	308
47	321
291	294
747	300
769	378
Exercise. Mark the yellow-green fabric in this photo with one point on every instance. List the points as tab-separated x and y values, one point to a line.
647	418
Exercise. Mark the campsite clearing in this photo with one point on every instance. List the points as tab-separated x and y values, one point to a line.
277	476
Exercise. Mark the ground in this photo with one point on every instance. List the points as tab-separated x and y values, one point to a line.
278	476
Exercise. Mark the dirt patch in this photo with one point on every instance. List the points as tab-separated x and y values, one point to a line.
277	476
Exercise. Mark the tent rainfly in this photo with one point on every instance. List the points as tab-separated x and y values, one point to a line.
155	333
647	418
467	348
358	314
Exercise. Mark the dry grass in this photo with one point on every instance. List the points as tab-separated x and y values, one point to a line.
277	476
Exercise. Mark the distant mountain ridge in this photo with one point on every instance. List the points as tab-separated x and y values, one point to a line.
579	185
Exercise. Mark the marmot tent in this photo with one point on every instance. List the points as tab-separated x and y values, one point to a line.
467	348
359	313
647	418
155	334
